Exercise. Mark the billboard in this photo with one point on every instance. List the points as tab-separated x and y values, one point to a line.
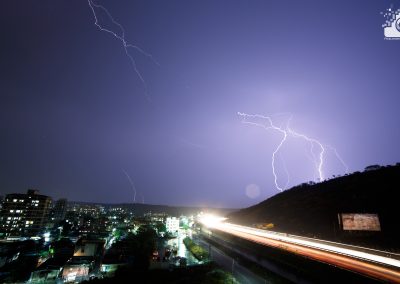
359	222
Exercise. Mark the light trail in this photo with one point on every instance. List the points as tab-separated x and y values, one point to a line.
313	244
121	37
267	124
362	260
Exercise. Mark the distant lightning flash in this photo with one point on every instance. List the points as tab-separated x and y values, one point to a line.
121	37
131	183
319	162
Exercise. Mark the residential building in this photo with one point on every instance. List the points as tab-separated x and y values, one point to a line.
154	218
24	214
172	225
60	209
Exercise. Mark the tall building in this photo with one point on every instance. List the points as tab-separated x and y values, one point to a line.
172	225
60	209
1	201
24	214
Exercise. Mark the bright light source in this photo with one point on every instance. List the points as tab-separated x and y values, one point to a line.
211	220
46	237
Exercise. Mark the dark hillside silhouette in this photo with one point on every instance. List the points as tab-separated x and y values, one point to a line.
312	209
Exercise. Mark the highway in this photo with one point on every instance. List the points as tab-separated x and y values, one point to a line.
241	273
361	260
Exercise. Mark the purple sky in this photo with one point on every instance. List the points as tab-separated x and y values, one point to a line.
74	115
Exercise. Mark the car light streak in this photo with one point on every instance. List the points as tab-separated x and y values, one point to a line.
342	255
313	244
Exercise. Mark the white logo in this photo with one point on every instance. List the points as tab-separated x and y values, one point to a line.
391	27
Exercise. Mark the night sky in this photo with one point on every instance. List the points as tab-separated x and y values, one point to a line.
77	122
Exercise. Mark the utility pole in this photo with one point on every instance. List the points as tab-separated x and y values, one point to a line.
233	265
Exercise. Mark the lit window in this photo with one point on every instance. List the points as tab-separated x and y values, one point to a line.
11	211
15	200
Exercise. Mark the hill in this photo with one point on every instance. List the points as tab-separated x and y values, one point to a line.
139	209
312	209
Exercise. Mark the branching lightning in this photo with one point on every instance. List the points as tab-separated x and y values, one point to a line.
318	162
339	158
286	132
121	37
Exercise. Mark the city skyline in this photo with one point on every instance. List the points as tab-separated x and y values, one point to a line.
77	121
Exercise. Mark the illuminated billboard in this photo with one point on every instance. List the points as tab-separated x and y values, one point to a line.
359	222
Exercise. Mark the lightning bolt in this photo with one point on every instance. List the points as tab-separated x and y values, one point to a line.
346	168
268	126
132	185
320	161
121	37
286	171
289	132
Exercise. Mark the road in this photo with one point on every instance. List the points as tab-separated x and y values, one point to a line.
241	274
360	260
182	251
